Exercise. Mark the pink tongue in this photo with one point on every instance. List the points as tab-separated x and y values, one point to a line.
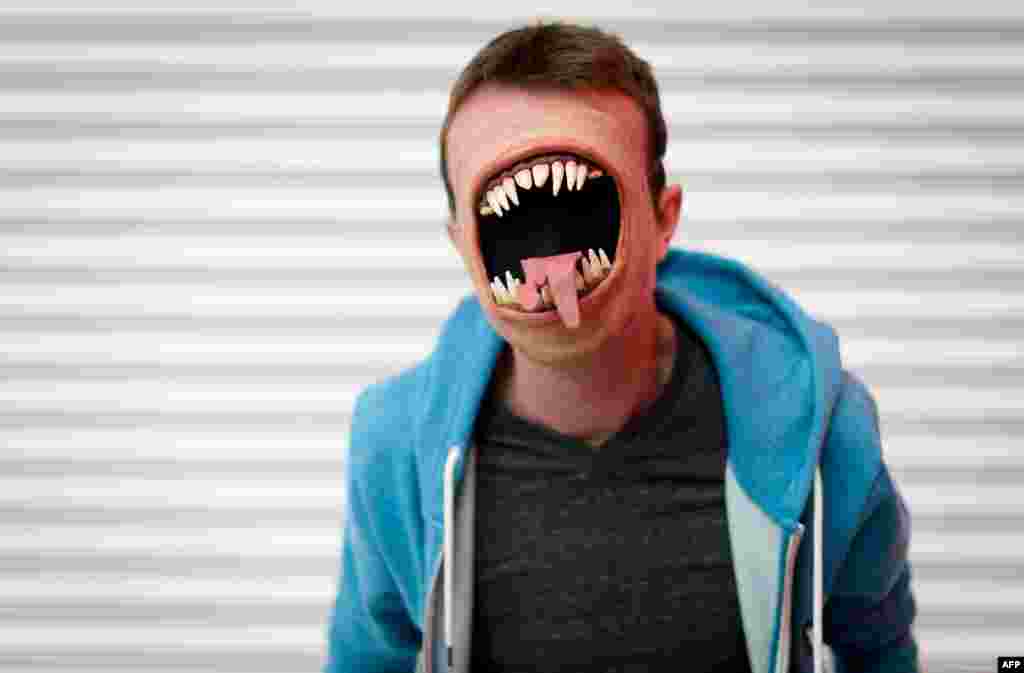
559	271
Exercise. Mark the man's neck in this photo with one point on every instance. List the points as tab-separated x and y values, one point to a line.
593	400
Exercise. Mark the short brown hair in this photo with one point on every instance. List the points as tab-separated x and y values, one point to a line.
564	56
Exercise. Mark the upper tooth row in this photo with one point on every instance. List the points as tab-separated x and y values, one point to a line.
595	267
503	196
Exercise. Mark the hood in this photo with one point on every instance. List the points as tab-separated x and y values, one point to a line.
771	357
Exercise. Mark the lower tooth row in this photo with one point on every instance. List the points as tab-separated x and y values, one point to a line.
596	268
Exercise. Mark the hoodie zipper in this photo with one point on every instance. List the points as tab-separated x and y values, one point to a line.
443	565
814	634
448	553
818	648
786	612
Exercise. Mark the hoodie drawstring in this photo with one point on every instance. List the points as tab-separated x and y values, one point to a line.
817	646
449	546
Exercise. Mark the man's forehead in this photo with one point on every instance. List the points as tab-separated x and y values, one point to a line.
497	118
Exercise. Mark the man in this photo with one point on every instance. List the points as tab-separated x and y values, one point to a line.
609	461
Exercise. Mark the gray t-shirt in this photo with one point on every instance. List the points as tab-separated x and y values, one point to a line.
609	559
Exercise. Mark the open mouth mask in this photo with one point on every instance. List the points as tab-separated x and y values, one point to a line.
549	231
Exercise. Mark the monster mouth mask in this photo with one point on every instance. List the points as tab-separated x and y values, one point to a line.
549	229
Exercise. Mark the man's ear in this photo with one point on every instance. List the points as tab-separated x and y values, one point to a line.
456	235
670	204
453	232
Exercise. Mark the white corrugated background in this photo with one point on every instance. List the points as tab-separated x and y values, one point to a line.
218	223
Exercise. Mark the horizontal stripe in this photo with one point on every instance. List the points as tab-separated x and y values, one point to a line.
334	81
679	129
82	638
792	106
339	81
750	56
833	21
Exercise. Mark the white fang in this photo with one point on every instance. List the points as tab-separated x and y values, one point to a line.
509	187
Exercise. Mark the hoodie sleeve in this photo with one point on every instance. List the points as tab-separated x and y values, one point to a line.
869	614
370	628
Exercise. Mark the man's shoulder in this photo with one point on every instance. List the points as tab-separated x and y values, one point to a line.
383	417
426	404
852	462
396	390
854	433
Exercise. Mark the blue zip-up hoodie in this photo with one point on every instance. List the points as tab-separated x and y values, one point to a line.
816	525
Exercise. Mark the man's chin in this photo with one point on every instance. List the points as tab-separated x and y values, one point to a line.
555	353
545	339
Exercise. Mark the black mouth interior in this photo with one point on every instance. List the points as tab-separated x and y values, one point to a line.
543	225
